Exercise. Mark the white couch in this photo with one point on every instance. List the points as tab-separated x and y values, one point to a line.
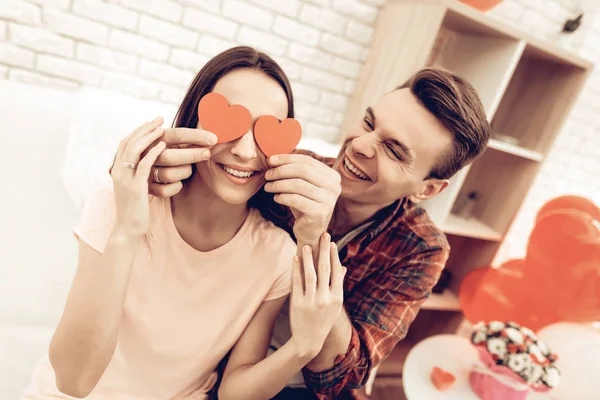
55	147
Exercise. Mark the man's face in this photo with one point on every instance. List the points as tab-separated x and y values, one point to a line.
391	151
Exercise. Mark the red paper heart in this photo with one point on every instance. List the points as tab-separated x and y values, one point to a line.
442	380
274	137
227	122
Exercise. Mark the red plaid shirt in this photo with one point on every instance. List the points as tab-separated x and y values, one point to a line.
392	267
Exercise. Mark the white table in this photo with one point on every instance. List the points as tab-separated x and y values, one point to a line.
452	353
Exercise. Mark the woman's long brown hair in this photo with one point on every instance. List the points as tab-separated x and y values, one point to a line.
205	81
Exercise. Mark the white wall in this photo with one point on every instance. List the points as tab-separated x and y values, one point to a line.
152	48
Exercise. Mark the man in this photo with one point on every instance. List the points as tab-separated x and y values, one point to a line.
403	151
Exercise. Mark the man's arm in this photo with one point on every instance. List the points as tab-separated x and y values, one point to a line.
377	317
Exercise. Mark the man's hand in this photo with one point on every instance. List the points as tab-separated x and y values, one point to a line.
185	147
310	188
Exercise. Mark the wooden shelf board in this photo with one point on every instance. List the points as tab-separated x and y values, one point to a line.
472	228
445	301
515	150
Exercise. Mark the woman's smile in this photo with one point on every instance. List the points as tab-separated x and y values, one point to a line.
239	175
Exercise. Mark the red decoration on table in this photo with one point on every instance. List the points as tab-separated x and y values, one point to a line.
441	379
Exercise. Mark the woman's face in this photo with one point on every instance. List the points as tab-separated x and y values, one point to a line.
236	170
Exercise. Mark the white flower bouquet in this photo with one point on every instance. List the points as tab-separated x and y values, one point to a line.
513	361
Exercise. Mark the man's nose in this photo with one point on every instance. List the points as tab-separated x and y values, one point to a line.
364	145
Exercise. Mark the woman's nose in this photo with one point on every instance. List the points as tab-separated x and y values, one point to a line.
245	147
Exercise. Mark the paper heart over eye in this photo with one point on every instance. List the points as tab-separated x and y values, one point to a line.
274	137
232	122
227	122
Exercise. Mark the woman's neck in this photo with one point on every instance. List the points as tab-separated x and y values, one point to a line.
203	219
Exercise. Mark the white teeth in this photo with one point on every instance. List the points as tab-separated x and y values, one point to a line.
239	174
355	170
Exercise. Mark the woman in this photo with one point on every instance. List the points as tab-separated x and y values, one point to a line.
165	288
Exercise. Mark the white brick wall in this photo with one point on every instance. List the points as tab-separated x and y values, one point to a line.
109	14
107	58
167	32
206	22
74	26
20	11
136	44
152	48
69	69
12	55
41	40
165	9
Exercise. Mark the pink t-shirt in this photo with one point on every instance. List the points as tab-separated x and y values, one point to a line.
184	309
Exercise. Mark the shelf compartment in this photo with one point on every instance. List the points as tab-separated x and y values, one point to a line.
537	100
498	56
439	206
501	182
471	228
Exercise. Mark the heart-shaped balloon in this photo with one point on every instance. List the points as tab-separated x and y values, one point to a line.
559	280
227	122
570	203
274	137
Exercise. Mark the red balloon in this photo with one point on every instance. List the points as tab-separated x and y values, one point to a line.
488	294
571	203
483	5
562	239
559	280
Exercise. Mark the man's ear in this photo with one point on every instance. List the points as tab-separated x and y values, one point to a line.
429	189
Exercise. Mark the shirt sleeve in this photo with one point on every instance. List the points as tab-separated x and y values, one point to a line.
97	219
381	313
283	282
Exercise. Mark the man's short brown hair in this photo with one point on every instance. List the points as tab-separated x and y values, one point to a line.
456	104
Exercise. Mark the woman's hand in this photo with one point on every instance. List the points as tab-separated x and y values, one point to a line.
317	297
130	173
185	147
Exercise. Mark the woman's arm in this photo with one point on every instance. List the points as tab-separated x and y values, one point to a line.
249	375
86	337
315	304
